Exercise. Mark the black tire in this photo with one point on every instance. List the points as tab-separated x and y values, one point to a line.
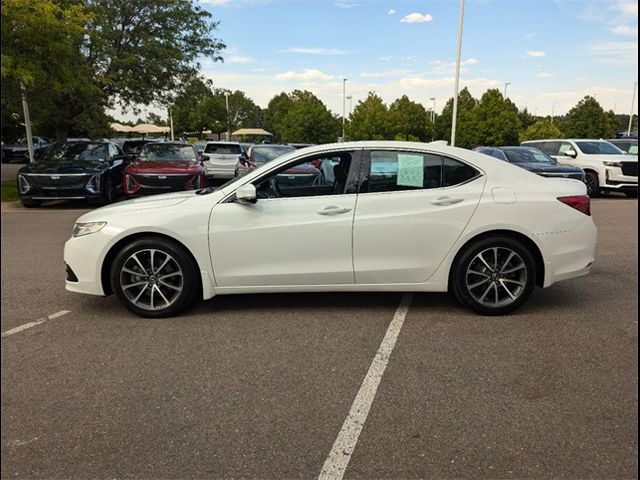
496	282
107	194
631	193
593	184
28	203
190	283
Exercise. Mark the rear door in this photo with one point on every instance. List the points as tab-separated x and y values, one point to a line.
410	211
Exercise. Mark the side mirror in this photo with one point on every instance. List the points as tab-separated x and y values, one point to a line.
204	158
246	194
571	153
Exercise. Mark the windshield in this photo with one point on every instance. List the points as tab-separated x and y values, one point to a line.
133	147
598	148
78	152
527	155
223	148
167	153
266	154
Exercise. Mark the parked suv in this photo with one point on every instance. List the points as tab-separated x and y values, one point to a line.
607	168
626	144
222	159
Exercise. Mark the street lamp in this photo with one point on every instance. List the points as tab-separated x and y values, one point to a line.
344	104
350	98
226	97
433	110
505	89
553	110
457	82
633	102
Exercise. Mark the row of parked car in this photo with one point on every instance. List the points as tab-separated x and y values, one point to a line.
101	171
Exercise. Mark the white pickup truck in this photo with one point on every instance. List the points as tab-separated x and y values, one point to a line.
222	159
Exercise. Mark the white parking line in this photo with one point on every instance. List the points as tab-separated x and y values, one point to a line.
34	323
340	455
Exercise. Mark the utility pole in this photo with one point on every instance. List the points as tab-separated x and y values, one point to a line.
457	82
633	103
553	110
27	122
350	98
433	110
226	97
344	105
171	124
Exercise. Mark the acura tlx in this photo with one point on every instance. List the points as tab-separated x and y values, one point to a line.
377	216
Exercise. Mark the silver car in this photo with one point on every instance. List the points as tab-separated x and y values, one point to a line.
222	159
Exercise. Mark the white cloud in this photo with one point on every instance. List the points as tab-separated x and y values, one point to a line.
535	53
529	36
386	58
391	12
616	53
347	4
544	75
259	69
307	75
627	8
416	18
625	30
238	59
315	51
384	73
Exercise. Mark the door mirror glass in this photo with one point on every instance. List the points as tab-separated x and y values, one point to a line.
246	194
204	158
571	153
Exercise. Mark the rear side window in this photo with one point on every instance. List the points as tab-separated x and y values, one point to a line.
550	148
392	171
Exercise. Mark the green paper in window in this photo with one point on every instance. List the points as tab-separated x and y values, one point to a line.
410	170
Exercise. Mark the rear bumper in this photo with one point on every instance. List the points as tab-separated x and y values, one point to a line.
217	170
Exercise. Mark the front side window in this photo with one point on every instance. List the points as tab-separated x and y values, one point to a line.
392	171
318	175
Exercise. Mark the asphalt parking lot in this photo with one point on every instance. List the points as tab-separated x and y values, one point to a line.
259	386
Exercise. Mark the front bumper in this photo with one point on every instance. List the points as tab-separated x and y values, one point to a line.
615	179
82	257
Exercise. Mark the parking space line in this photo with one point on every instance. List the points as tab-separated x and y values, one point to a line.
336	463
20	328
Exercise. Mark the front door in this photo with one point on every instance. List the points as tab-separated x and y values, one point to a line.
299	232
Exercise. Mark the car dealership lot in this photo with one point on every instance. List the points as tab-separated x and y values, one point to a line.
259	386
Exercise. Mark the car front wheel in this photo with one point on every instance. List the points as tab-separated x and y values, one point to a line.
494	276
593	184
154	278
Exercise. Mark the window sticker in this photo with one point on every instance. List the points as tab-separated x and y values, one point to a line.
410	170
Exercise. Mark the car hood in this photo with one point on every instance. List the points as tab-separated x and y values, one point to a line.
78	166
178	167
549	167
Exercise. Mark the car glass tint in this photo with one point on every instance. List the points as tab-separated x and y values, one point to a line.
167	153
455	172
550	148
223	149
528	155
598	148
396	171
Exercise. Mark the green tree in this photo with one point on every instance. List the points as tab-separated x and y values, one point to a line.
156	119
370	120
308	120
196	108
408	120
493	122
243	112
588	119
542	129
442	126
276	113
526	119
108	52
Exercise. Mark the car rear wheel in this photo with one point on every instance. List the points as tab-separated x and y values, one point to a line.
593	184
631	193
154	278
494	276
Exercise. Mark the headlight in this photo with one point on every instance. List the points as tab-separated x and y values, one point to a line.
612	164
23	184
94	183
80	229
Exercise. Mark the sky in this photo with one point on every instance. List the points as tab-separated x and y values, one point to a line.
551	52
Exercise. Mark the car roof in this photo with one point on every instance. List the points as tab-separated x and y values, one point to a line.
223	142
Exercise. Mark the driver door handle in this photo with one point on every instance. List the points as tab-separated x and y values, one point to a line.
446	201
333	210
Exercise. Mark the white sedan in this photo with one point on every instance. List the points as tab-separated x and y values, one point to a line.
378	216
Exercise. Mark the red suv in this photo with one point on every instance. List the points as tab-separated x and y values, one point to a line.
164	167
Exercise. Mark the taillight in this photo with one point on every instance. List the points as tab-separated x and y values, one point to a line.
582	203
131	185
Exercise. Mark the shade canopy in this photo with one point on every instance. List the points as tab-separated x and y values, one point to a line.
118	127
252	131
149	128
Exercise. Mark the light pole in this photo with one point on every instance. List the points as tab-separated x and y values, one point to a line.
27	122
344	104
433	110
633	103
457	82
350	98
226	97
553	110
505	89
171	124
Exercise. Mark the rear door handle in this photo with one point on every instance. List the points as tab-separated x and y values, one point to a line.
446	201
333	210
